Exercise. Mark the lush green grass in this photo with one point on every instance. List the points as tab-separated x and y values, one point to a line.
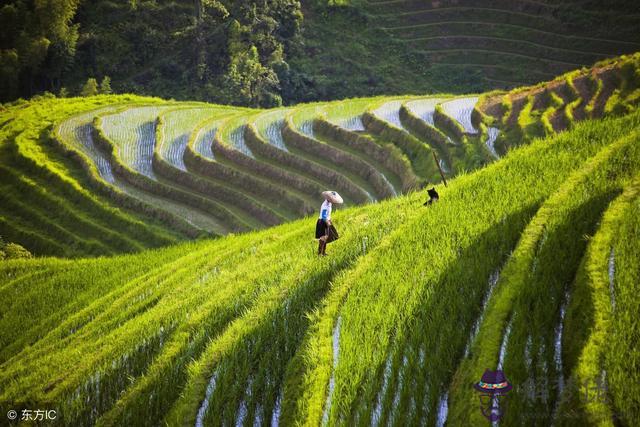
52	187
256	324
405	313
259	167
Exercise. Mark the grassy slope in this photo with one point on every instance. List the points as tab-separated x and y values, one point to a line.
257	311
27	153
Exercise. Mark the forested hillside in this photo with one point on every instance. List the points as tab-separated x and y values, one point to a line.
267	53
225	50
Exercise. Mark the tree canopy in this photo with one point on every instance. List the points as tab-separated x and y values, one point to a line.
217	50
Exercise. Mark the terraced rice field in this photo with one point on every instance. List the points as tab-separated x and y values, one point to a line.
528	263
204	138
201	168
176	129
133	132
460	109
502	42
393	327
390	112
424	108
270	127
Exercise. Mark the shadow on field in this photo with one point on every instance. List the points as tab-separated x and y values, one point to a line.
250	376
425	351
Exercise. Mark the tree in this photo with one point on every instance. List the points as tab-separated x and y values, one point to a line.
105	86
90	88
248	78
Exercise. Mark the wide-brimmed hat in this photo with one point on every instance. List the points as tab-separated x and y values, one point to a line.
493	382
333	197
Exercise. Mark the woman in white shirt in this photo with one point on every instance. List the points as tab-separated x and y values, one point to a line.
324	220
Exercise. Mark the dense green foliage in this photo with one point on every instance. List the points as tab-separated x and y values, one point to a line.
263	53
219	50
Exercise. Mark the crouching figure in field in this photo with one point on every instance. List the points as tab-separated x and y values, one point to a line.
433	196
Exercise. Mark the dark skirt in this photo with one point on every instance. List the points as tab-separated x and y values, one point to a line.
321	228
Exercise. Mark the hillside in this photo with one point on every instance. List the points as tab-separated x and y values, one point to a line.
112	174
393	327
268	53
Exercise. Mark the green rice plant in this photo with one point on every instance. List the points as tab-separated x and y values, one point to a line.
448	124
200	158
269	126
528	123
555	102
174	127
267	166
507	107
526	274
249	209
387	158
418	153
622	381
596	94
138	170
11	205
320	175
479	115
56	210
355	176
74	286
536	326
367	333
461	110
190	339
570	107
355	169
29	150
74	136
593	309
16	230
417	117
140	355
227	358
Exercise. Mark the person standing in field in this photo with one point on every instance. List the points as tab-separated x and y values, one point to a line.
323	225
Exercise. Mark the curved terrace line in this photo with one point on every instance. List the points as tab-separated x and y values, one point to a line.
531	29
460	110
204	139
272	131
425	108
172	147
417	39
478	65
133	133
390	112
501	52
196	219
465	8
385	2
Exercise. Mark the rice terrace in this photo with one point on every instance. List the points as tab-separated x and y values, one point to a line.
471	170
